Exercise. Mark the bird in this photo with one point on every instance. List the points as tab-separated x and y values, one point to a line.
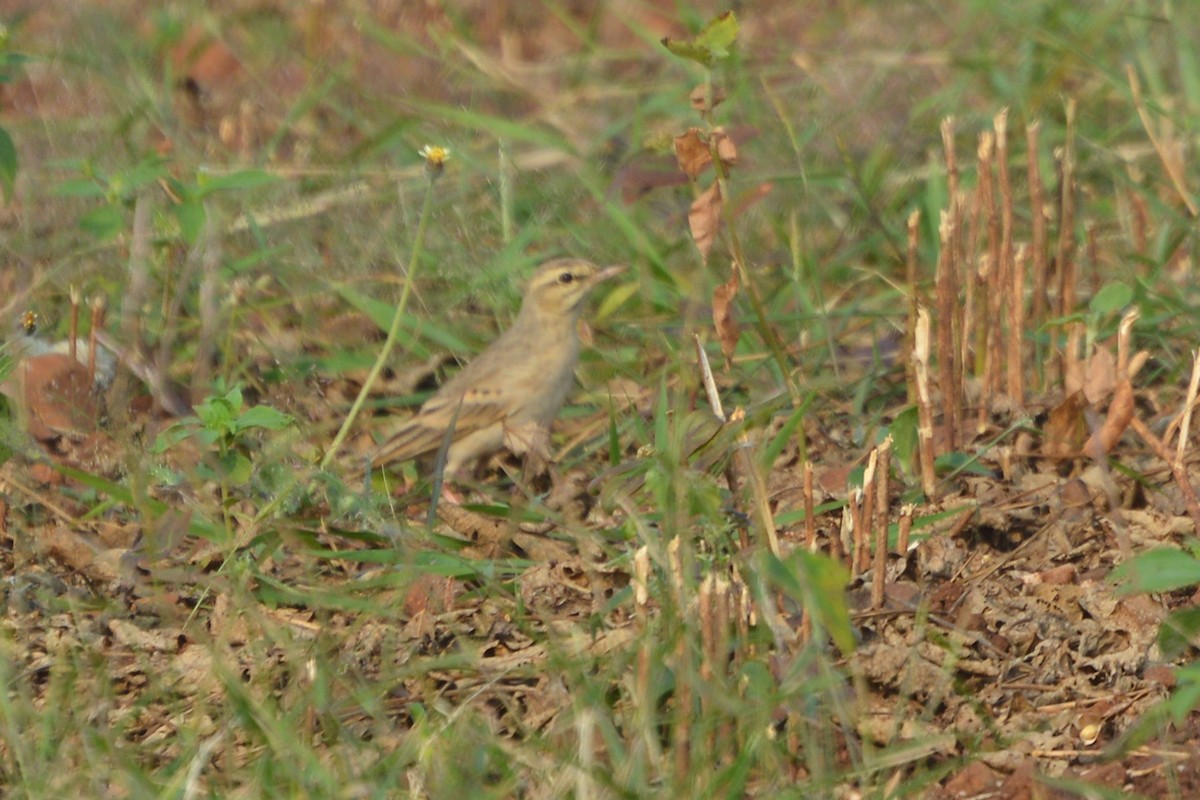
508	396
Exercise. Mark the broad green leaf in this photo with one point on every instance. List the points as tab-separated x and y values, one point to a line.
243	179
105	222
236	467
1162	570
8	162
191	216
80	187
711	44
904	435
719	34
264	417
1111	298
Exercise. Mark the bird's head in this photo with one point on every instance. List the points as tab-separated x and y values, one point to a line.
559	287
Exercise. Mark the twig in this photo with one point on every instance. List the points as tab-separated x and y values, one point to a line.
880	527
1037	206
810	524
1171	165
924	405
1178	470
946	294
1185	416
914	302
393	331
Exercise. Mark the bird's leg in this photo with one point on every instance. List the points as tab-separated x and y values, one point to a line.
532	442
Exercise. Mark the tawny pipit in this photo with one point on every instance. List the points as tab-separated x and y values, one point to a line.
509	395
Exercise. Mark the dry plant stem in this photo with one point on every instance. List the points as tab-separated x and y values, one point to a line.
947	292
1070	359
905	528
641	610
924	405
1185	416
880	527
97	322
1012	290
947	127
1016	327
914	302
862	533
1170	165
73	331
393	331
133	300
1093	257
1124	335
758	487
1178	469
840	544
1139	221
989	330
966	251
681	738
1065	257
585	726
769	335
1037	214
810	524
210	304
855	506
746	467
710	382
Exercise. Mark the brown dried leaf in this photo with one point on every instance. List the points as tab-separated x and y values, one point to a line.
723	319
57	395
700	101
726	150
1066	429
1120	413
704	218
1099	376
692	153
635	181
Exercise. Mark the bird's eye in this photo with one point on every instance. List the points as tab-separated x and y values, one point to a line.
566	277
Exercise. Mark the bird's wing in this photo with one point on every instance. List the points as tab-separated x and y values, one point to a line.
470	411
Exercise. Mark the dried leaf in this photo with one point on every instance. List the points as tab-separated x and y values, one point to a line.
1066	429
1099	376
723	319
726	149
704	218
700	97
692	153
1120	413
57	396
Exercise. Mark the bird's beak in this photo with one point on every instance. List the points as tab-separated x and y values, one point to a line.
608	272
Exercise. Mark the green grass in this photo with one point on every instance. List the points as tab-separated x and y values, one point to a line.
291	661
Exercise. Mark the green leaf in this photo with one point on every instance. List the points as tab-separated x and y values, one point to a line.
711	44
263	417
105	222
80	187
1179	632
904	435
8	162
1111	298
1162	570
719	34
690	51
818	583
191	216
243	179
235	467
